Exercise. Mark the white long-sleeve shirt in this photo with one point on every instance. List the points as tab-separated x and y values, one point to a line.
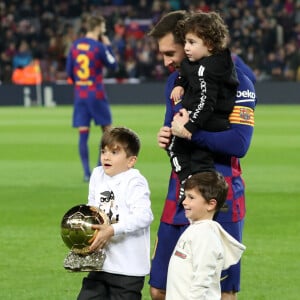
125	197
201	253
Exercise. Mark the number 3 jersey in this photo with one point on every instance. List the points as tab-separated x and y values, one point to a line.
85	63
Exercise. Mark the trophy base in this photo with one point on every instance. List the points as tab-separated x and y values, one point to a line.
84	263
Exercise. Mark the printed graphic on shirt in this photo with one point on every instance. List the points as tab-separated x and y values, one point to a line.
180	254
182	250
107	204
201	71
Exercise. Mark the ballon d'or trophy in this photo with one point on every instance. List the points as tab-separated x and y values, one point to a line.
77	234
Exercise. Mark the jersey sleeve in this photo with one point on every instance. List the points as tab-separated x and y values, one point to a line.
171	109
236	140
107	56
239	63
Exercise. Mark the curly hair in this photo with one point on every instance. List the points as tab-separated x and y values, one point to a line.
210	27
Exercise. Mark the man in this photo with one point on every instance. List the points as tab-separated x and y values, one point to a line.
86	59
227	146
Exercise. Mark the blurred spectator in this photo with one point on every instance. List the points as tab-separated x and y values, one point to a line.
131	67
145	59
134	30
68	38
274	67
53	59
28	75
118	40
292	61
23	56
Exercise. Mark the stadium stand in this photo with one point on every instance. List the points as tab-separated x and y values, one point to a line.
266	34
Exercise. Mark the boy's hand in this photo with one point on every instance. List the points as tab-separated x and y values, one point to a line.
177	94
101	237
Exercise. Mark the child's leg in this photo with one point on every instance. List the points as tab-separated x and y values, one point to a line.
202	160
122	287
180	158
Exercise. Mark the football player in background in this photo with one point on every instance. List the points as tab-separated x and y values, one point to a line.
87	57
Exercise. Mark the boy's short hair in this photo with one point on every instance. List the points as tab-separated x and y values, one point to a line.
123	136
211	185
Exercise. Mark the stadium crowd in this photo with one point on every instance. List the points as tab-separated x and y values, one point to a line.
265	33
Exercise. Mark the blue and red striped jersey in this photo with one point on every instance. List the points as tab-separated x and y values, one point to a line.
228	146
85	63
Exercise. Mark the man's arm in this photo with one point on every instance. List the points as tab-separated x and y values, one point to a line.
164	134
107	56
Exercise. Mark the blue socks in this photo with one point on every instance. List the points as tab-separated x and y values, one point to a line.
84	151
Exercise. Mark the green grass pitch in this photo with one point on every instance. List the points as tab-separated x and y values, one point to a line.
41	178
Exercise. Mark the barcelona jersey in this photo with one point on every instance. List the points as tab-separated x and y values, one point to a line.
230	145
85	63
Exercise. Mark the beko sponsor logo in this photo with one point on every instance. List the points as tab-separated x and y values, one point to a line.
245	94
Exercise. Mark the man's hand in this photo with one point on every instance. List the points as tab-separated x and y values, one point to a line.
164	137
102	235
178	123
182	117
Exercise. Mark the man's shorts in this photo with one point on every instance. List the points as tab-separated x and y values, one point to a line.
230	278
167	237
86	110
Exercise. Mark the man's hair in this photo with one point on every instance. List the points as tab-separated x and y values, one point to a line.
210	27
93	22
211	185
170	23
124	137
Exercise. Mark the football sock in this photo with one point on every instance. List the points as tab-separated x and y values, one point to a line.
84	151
99	157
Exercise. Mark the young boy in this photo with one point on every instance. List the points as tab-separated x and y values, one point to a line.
123	193
208	84
205	248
